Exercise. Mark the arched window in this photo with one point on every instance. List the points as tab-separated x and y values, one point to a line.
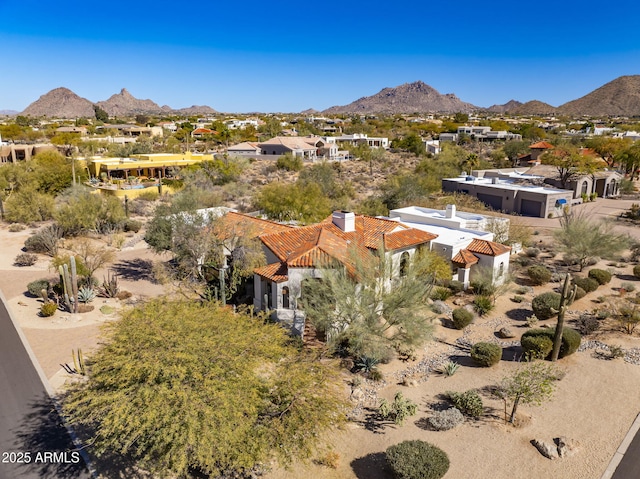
285	297
404	263
584	187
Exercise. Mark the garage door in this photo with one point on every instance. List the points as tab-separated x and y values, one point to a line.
531	208
492	201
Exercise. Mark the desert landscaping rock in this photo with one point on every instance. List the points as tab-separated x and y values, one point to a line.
550	451
566	447
505	333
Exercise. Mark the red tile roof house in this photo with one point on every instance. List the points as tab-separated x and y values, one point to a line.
299	254
296	254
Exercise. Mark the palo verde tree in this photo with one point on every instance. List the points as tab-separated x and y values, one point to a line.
190	389
361	307
582	239
532	383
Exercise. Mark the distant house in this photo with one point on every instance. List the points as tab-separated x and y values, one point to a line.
202	132
479	133
605	183
515	194
81	130
246	148
536	150
281	145
360	138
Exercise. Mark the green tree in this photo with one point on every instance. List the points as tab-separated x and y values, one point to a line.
581	239
361	307
242	393
304	203
514	148
608	148
101	115
568	161
629	158
461	117
83	211
533	383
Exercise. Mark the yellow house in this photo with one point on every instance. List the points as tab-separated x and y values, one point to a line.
155	165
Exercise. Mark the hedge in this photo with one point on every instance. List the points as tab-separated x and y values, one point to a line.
461	318
544	304
486	354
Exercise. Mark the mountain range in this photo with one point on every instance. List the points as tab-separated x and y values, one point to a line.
620	97
63	103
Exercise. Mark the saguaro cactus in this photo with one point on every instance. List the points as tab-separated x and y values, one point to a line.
567	297
70	285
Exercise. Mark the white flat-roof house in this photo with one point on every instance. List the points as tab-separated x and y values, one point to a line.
357	138
511	196
461	238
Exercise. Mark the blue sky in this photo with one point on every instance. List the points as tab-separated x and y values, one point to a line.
242	56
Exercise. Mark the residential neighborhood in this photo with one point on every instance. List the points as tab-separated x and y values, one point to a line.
315	294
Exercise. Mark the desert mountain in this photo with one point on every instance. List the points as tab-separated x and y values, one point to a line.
63	103
534	107
417	97
124	103
60	103
195	110
509	106
620	97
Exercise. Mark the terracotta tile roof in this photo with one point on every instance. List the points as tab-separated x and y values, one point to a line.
276	272
465	258
315	245
488	248
542	145
404	238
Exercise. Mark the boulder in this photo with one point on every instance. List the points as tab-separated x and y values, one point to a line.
550	451
566	447
505	333
441	307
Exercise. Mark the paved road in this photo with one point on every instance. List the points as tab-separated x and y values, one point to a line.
629	467
33	441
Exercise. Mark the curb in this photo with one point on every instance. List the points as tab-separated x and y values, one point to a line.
622	449
47	386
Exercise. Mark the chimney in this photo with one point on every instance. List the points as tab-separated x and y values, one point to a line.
345	220
451	211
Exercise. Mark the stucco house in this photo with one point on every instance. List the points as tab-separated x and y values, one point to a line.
303	253
463	239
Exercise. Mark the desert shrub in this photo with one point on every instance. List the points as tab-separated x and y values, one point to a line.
449	368
48	309
398	410
629	318
532	252
483	287
628	286
523	261
289	162
600	275
588	284
557	277
417	460
544	304
132	225
636	271
25	259
35	287
15	227
522	290
456	286
517	298
483	304
375	375
580	293
587	324
461	318
27	206
468	402
44	241
570	339
539	274
148	195
536	347
486	354
445	420
440	293
330	459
